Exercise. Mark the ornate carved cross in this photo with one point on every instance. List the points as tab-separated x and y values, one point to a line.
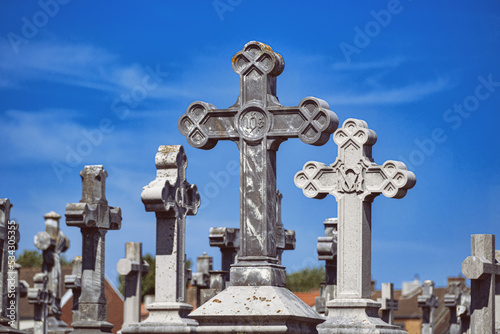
355	180
258	123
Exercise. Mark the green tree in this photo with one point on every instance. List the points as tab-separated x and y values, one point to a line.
305	280
30	259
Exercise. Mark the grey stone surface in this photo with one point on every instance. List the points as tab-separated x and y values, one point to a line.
201	278
327	251
355	180
482	269
21	289
172	198
9	238
428	302
258	123
94	217
285	239
389	304
52	242
74	282
40	296
133	267
452	301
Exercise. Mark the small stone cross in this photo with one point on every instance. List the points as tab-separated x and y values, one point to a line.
428	302
258	123
133	267
482	269
355	180
94	217
389	304
228	240
171	198
327	251
201	278
74	282
41	297
452	301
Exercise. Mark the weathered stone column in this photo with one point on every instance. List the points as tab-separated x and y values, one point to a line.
389	304
52	242
172	198
9	237
355	180
327	251
74	282
428	302
201	278
452	301
482	269
133	267
94	217
258	123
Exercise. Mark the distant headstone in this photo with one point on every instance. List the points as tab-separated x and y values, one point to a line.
74	282
94	217
201	278
285	239
40	296
228	240
52	242
133	267
482	269
428	302
258	123
171	198
21	289
9	237
463	312
355	180
452	301
327	251
389	304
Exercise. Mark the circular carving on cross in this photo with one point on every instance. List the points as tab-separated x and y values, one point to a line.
258	55
190	125
253	123
357	131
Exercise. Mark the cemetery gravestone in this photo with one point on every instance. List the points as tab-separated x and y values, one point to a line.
94	217
40	296
172	198
452	301
428	302
74	282
52	242
258	123
481	268
201	278
327	251
355	180
133	267
389	304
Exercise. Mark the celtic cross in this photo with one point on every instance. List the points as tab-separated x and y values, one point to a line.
258	123
355	180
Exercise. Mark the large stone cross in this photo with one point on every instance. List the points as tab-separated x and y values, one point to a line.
482	269
171	198
258	123
389	304
428	302
133	267
94	217
355	180
52	242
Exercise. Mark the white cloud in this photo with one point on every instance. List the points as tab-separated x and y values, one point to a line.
405	94
368	65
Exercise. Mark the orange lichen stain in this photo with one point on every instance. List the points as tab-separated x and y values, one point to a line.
216	301
278	311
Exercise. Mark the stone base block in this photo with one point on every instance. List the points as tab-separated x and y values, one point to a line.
355	316
257	274
91	327
165	318
256	309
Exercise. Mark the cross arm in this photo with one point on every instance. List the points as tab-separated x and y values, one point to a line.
204	125
312	121
126	267
392	179
475	267
316	179
93	215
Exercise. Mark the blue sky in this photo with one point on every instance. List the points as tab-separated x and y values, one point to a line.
424	75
